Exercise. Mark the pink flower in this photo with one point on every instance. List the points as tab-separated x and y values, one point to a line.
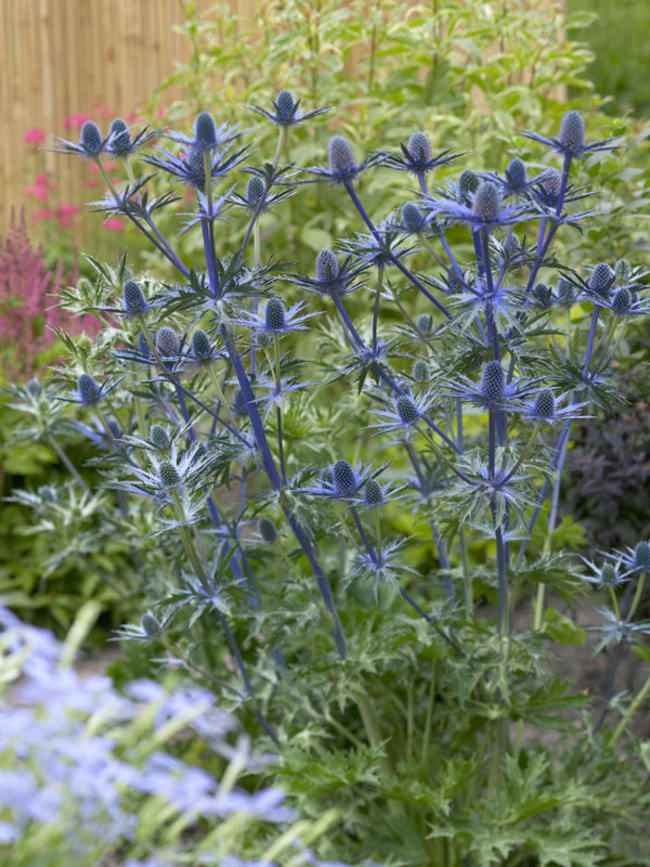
104	111
35	135
67	210
42	178
42	214
39	191
114	224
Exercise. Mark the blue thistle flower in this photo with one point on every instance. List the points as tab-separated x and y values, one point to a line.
424	323
542	294
468	184
601	279
421	371
133	298
285	105
276	319
267	530
205	132
571	139
344	478
90	138
342	165
373	494
642	556
286	110
159	437
481	209
622	301
493	382
143	346
238	403
119	138
89	392
331	278
150	625
168	342
34	387
412	218
169	475
544	404
254	190
623	270
416	156
202	348
407	412
516	175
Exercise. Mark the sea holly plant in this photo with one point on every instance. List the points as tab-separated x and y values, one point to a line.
352	479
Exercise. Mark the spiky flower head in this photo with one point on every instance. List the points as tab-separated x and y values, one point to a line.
90	137
542	294
344	478
327	476
493	381
267	530
201	345
565	292
196	162
238	402
34	387
254	190
150	625
486	204
642	556
412	218
516	173
119	135
159	437
89	391
342	163
421	371
468	184
168	342
551	183
623	270
608	575
327	266
143	346
285	104
601	278
205	131
572	133
622	300
133	298
274	315
544	404
168	475
424	323
406	409
373	494
419	147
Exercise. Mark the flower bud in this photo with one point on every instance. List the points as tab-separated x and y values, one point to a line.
420	371
90	137
342	163
372	494
542	294
150	625
623	270
285	105
89	391
412	218
486	204
601	279
572	133
168	475
254	190
274	317
168	342
493	381
133	298
196	163
622	300
34	387
327	266
468	183
143	346
406	410
120	138
344	478
419	147
551	183
608	576
205	131
267	530
159	437
516	173
544	404
201	345
424	323
642	556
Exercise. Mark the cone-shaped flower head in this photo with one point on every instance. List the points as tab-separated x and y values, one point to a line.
486	204
238	402
622	300
133	298
642	556
516	173
267	530
89	391
150	625
205	131
254	190
623	270
201	345
327	266
608	576
424	323
344	479
168	475
34	387
327	476
493	381
373	494
120	138
468	184
406	409
196	162
419	147
285	104
601	278
274	315
412	218
551	183
342	163
420	371
159	437
572	133
168	342
545	404
542	294
90	137
143	346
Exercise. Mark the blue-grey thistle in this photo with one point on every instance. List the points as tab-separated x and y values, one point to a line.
373	494
493	381
551	183
168	342
201	345
196	162
133	297
622	300
424	323
120	138
274	317
159	437
34	387
419	147
572	133
150	625
168	475
238	402
623	270
89	391
642	556
267	530
486	204
327	476
205	131
545	404
90	137
254	190
608	575
516	173
285	104
342	163
327	266
344	479
601	278
542	294
143	347
412	218
420	371
468	184
406	409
